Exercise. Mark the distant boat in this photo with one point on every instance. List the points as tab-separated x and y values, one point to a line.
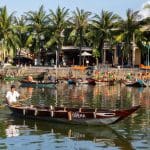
11	78
144	67
89	81
71	81
107	82
138	83
85	116
38	84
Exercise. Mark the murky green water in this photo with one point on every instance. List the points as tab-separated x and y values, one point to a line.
131	133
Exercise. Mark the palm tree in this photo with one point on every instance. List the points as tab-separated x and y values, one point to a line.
7	35
102	29
147	6
79	24
58	22
144	36
37	23
22	33
129	28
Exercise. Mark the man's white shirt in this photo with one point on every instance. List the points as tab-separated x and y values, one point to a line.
12	97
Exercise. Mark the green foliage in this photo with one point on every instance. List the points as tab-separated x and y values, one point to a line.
59	27
96	53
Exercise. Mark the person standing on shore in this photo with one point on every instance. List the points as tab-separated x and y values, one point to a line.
12	95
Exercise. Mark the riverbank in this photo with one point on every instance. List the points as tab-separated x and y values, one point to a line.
62	72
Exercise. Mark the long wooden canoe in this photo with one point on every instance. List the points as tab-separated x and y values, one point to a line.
87	116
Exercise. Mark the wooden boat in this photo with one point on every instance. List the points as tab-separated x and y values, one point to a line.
144	67
87	116
37	84
89	81
138	83
11	78
71	81
107	82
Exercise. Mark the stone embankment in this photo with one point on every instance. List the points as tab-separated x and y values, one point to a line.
38	72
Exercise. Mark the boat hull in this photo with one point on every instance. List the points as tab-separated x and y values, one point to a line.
72	115
139	83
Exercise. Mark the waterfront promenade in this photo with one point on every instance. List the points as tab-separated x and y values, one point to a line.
61	72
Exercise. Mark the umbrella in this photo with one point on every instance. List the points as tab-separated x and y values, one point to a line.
85	54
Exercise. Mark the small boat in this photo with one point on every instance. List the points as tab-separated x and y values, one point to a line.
38	84
138	83
10	78
144	67
89	81
107	82
71	81
85	116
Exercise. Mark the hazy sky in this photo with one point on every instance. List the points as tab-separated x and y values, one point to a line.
95	6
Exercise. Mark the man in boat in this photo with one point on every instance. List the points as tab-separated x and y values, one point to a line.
30	78
12	95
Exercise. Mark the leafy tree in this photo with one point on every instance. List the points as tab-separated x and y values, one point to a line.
21	30
129	27
58	22
102	29
37	23
147	6
7	35
79	23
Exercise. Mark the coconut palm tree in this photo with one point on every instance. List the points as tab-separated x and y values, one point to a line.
79	23
7	35
37	22
58	22
23	36
147	6
102	30
129	27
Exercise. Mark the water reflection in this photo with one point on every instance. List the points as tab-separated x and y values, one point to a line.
131	133
12	130
90	96
118	96
103	136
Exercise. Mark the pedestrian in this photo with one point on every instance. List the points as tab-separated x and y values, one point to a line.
12	95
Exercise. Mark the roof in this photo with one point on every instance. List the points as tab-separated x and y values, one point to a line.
76	48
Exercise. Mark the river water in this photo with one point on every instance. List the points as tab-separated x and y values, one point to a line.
129	134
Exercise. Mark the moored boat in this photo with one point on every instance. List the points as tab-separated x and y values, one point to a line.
87	116
37	84
89	81
107	82
138	83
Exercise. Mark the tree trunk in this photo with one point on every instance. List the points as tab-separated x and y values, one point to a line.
80	49
97	62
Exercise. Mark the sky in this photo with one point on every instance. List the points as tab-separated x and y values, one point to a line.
94	6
